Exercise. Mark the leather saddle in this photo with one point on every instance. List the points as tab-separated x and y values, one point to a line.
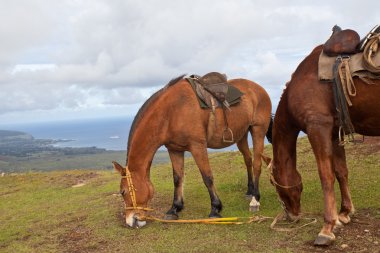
214	86
342	42
213	91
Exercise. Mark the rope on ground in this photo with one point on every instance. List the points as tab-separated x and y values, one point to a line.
219	221
239	221
280	216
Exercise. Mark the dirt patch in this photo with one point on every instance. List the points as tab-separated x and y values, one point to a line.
79	238
361	235
70	180
371	145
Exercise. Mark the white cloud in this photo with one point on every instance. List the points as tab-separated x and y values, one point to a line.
87	55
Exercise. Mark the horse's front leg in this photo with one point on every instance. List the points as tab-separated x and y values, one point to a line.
199	153
320	137
341	173
177	159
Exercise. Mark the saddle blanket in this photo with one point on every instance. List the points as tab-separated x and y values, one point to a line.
326	63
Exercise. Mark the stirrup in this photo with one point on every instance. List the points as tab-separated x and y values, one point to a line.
230	132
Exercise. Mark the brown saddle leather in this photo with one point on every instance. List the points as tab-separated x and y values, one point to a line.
214	84
342	42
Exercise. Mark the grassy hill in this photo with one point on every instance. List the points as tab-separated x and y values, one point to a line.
81	211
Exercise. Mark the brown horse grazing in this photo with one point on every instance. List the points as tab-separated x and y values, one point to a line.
172	117
308	105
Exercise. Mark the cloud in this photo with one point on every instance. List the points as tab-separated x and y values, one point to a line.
76	55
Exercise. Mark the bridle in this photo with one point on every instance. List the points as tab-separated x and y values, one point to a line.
274	182
132	193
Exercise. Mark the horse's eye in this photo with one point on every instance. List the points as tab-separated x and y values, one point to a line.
122	192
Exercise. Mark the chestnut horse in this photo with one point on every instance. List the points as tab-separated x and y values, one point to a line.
308	105
172	117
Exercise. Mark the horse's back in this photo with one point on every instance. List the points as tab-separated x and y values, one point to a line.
187	121
255	92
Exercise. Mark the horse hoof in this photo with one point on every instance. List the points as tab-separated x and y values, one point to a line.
171	216
345	219
324	240
338	224
254	206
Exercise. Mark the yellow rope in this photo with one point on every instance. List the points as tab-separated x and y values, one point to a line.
218	221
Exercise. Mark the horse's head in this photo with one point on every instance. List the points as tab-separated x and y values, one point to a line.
289	192
136	192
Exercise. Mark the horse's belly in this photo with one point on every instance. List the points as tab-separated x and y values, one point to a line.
223	138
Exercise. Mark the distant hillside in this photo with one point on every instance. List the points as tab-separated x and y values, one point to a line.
20	144
14	135
21	152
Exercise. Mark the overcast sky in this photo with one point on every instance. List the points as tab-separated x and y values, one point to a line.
98	58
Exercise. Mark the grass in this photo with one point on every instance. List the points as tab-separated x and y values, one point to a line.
42	212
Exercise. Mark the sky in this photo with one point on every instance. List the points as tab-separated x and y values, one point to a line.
75	59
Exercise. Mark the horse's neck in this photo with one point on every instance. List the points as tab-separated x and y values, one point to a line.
145	142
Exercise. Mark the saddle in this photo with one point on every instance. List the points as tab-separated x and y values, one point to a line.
342	42
343	57
364	63
213	91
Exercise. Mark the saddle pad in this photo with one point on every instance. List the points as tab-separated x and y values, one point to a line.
326	63
233	95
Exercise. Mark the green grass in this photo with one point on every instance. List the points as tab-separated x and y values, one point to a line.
42	212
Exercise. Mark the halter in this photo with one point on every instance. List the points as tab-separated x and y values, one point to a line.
273	181
132	192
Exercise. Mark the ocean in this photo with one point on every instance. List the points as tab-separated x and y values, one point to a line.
110	133
107	133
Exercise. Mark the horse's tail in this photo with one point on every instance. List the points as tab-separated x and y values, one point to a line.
269	131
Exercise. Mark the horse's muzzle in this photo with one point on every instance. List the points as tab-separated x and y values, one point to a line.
292	217
133	221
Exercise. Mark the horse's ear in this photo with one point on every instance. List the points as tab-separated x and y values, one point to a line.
117	167
266	159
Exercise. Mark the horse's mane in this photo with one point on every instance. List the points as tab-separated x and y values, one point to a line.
145	106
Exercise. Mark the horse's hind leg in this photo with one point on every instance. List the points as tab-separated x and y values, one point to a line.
199	153
177	159
341	173
258	135
244	149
